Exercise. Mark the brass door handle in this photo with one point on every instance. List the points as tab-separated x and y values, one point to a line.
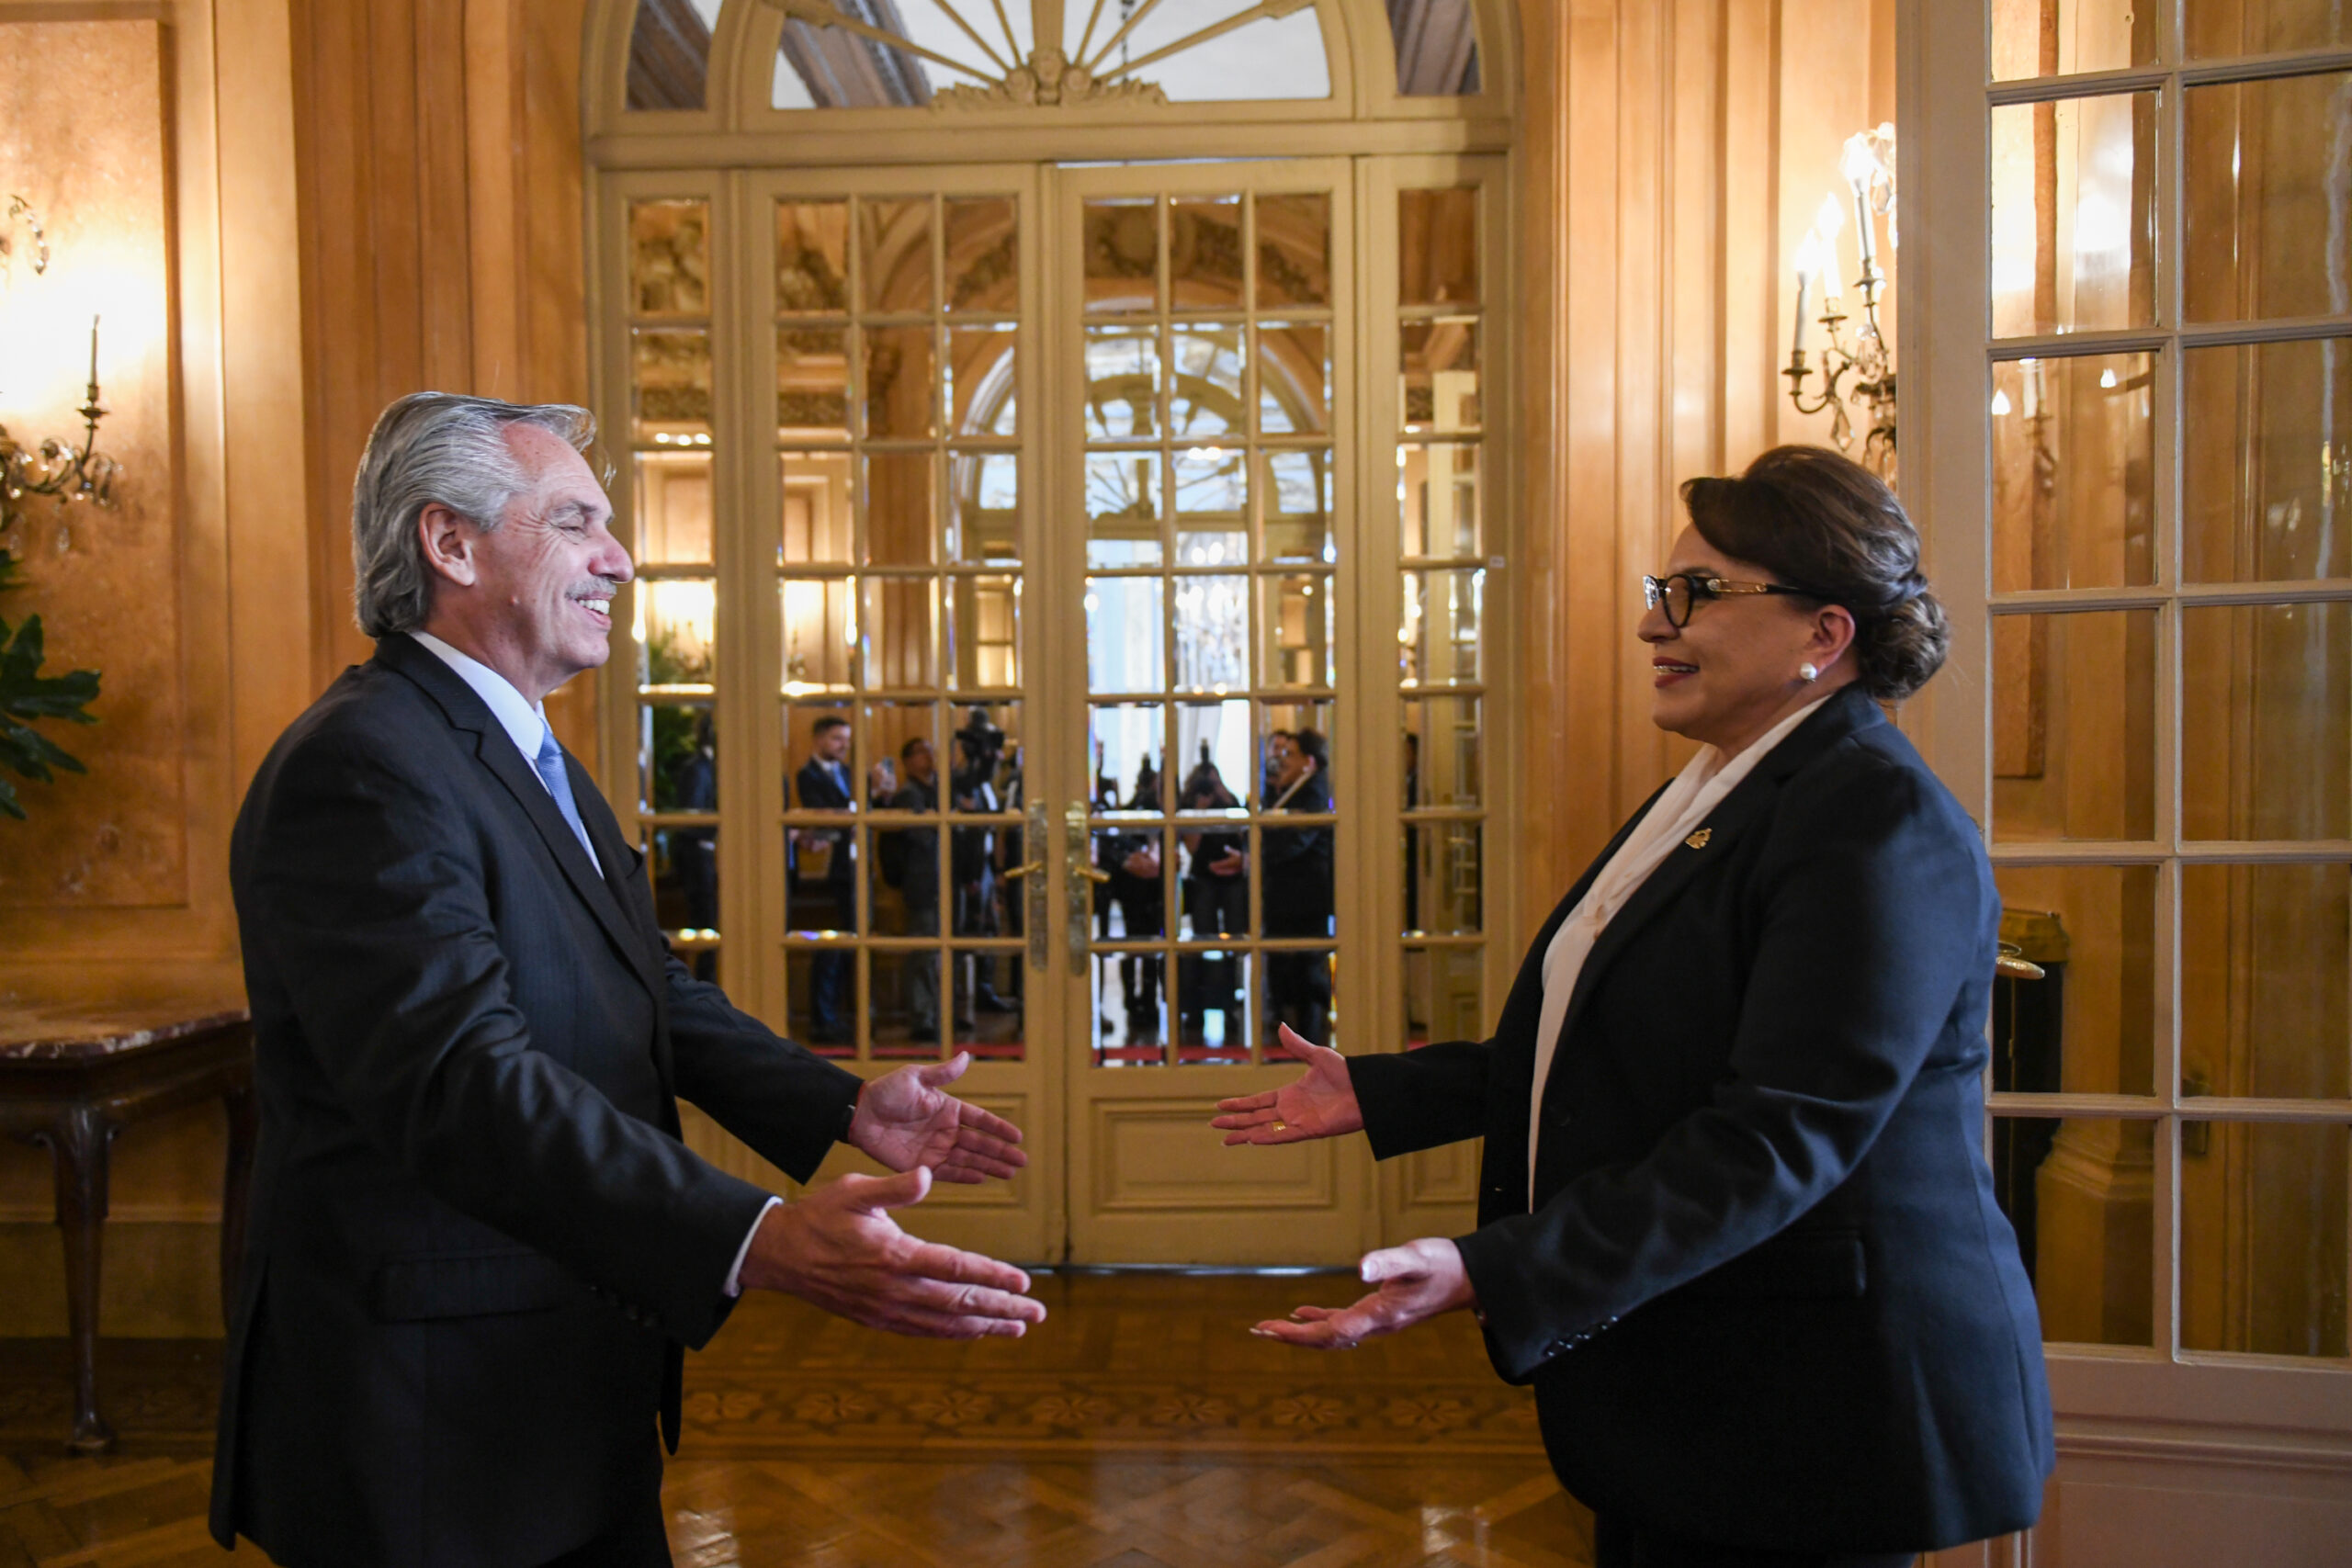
1091	873
2010	965
1016	872
1078	900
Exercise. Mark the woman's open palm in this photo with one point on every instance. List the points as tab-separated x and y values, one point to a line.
1321	1104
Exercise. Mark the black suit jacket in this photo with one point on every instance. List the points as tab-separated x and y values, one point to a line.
1765	1295
817	792
476	1243
1296	883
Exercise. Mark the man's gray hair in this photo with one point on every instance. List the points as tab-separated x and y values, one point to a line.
434	447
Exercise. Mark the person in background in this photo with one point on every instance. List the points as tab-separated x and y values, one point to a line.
1216	900
1734	1219
1294	887
693	852
824	863
913	853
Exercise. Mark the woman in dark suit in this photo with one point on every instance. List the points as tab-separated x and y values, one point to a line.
1736	1224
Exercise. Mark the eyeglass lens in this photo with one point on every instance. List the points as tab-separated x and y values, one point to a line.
1673	592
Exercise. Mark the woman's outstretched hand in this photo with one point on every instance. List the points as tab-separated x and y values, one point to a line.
1322	1104
1416	1281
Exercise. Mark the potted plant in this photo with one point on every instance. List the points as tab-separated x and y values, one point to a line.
27	695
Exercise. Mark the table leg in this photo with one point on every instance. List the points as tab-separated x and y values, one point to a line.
78	1144
235	1194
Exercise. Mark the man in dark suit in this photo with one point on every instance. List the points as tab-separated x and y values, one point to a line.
1294	887
477	1243
822	784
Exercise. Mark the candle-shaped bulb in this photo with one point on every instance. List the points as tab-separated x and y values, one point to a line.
1827	222
1808	267
94	355
1860	165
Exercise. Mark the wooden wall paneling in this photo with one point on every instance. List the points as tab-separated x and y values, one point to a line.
1751	325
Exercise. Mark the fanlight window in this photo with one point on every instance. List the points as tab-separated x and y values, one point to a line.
986	53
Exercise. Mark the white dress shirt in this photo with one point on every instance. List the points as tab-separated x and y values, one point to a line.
527	723
1695	793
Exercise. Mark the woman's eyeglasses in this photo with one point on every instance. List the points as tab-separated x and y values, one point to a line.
1682	589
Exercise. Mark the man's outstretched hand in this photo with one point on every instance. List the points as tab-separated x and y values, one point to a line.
1416	1281
907	1119
1322	1104
838	1247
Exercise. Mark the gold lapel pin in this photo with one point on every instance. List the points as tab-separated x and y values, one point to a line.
1698	840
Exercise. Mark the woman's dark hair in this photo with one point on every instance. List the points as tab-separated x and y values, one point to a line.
1826	523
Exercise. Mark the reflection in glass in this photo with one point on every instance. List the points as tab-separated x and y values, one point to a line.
1125	740
988	1011
1123	509
1205	389
2074	215
897	632
1296	486
985	491
893	731
1298	646
670	391
2265	181
2074	725
900	525
669	57
1205	252
1438	387
983	255
2265	950
2079	1193
980	381
813	524
820	630
1293	378
802	966
1121	242
1442	751
811	384
1123	1038
2263	1233
675	633
2266	723
1437	49
1279	723
672	508
669	257
1437	641
677	752
682	863
1213	988
812	257
1441	994
2073	472
2230	27
1441	878
2063	37
1217	755
1293	250
2088	1026
1437	498
901	398
1437	247
1122	383
894	252
1212	507
2267	461
905	1017
1123	635
1211	633
1298	992
984	617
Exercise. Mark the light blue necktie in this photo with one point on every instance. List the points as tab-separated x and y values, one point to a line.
549	762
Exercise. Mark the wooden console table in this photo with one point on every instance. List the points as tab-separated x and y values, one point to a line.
69	1080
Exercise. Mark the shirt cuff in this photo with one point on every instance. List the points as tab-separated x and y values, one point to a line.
735	1271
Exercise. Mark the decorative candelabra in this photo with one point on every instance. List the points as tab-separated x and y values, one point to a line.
52	468
1868	164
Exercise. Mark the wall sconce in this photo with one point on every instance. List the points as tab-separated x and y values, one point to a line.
1868	166
52	468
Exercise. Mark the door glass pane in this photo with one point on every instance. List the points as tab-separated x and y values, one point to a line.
1441	994
1441	751
1122	383
894	255
983	255
984	632
2232	27
2265	1007
1130	1023
1205	389
901	401
980	382
1123	509
2061	37
676	632
2074	215
677	751
1293	378
1211	506
1119	240
896	735
986	494
1123	635
2266	721
1437	498
1213	986
987	1005
1296	492
669	388
814	527
2263	1236
1438	378
822	985
2263	181
901	510
812	257
906	1003
1437	248
811	384
898	632
672	508
1211	634
2074	725
2079	1191
669	55
2266	467
2088	1026
1437	642
2073	472
1125	741
1296	625
1293	250
669	257
1205	252
1443	879
683	862
1299	994
820	632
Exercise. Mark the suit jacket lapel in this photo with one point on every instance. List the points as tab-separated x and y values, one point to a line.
622	860
1841	716
498	752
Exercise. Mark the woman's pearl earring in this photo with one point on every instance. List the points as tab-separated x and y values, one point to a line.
1807	673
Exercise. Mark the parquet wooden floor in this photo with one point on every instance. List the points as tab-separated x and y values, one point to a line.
1140	1428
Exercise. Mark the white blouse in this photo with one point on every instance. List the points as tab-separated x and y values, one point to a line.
1695	793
